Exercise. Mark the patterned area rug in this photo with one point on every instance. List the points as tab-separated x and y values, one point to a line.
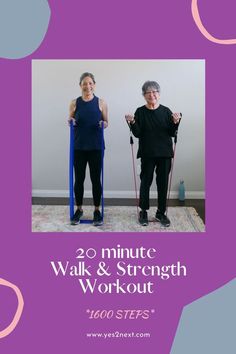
51	218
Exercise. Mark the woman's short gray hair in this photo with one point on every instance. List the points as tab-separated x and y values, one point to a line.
150	85
86	75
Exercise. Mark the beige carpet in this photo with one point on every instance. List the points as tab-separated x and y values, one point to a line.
51	218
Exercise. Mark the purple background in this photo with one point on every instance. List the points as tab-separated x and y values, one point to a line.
54	318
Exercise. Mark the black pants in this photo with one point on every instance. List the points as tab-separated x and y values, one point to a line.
162	166
94	160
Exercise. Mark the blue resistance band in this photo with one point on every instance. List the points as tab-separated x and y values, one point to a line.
71	174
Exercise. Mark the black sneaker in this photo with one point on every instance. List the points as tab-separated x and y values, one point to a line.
143	218
76	217
162	218
97	218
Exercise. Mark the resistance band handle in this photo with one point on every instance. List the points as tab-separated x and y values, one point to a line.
176	132
129	125
131	140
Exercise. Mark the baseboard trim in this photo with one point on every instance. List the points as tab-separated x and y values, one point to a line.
46	193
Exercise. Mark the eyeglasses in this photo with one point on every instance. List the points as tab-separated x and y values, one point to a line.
149	92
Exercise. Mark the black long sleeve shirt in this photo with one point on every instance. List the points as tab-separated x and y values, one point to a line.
155	130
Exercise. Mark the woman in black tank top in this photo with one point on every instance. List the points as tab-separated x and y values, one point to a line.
88	112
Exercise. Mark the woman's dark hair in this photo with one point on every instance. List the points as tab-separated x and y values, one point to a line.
86	75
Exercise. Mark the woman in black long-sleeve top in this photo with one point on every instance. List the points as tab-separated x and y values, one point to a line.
154	125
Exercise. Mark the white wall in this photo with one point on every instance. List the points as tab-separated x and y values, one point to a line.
56	82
